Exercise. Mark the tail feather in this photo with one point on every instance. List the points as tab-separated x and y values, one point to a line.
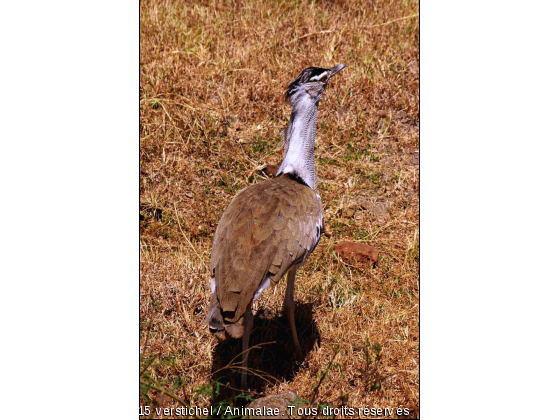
216	322
236	330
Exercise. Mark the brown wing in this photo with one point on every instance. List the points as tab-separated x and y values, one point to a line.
267	228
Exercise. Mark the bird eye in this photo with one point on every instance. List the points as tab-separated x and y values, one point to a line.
324	78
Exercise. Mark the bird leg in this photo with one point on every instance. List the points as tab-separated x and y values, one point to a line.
289	305
247	327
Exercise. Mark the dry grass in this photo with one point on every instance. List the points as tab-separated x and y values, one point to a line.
213	75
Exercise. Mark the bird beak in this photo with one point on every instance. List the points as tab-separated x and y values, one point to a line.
336	69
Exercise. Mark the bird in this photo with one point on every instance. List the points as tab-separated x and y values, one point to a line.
271	227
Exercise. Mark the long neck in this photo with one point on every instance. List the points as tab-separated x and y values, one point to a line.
299	149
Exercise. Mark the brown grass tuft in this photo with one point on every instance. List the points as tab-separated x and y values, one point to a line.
213	76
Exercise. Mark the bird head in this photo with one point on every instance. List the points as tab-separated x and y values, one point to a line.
311	83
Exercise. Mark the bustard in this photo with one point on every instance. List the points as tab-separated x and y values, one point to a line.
270	228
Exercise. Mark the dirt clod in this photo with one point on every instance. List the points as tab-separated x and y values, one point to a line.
356	251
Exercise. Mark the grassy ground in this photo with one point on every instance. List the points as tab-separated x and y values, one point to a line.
213	76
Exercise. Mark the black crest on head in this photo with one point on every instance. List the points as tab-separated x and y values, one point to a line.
310	74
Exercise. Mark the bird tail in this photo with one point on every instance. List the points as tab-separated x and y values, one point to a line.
216	322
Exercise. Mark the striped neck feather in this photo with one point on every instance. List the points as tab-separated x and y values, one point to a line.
299	149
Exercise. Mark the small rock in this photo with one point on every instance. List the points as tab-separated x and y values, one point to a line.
356	251
280	401
270	170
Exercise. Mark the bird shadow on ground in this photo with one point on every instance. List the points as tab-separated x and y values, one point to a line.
273	357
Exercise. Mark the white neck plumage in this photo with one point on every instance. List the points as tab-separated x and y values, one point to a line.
299	148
